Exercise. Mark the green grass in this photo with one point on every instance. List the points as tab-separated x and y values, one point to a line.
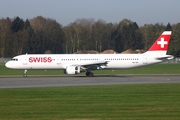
152	69
125	102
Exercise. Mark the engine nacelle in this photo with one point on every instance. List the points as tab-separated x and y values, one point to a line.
102	67
72	70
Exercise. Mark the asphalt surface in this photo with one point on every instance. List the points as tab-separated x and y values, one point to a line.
50	81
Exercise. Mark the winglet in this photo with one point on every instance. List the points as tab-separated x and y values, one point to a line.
161	44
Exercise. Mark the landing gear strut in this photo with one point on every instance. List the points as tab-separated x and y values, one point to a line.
89	74
25	73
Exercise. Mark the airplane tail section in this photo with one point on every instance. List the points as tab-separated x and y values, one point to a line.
160	46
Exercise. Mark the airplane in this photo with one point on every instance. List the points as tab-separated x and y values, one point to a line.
76	63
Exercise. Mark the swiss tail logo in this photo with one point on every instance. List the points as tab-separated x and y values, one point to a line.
162	43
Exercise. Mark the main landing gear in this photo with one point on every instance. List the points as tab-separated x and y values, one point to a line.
25	73
89	74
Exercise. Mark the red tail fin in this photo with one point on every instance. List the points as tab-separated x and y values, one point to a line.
160	46
162	43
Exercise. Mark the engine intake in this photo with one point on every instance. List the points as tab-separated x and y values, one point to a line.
72	70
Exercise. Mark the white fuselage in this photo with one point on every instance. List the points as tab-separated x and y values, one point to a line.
61	61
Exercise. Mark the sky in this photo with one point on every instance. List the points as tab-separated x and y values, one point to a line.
67	11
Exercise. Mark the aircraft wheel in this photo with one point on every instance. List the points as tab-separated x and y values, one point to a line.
25	75
89	74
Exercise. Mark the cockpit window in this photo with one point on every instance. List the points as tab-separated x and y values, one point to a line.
14	59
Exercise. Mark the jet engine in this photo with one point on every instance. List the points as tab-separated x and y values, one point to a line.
72	70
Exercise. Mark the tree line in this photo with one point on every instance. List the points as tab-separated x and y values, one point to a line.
44	35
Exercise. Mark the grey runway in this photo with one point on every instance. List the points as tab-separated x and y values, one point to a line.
50	81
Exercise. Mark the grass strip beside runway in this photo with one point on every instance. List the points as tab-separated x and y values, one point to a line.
152	69
142	102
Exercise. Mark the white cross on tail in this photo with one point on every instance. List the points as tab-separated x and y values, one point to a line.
162	42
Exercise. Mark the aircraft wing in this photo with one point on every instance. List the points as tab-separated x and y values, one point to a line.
91	65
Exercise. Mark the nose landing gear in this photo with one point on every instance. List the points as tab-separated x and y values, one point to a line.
25	73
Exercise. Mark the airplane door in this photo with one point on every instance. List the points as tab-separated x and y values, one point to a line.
145	60
58	59
25	60
101	58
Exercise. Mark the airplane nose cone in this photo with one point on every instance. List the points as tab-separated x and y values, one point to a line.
8	65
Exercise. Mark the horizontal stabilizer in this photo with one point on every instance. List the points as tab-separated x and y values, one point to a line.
166	57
